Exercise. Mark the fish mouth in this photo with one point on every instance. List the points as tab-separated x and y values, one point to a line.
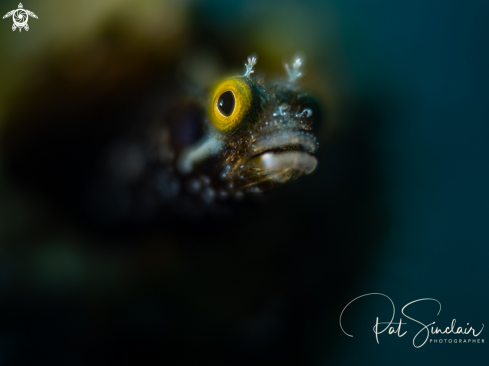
282	141
281	167
282	156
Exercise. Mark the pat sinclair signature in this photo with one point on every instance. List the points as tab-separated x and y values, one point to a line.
426	331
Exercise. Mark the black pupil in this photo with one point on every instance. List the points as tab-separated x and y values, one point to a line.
226	103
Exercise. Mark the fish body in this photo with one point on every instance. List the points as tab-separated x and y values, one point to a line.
248	137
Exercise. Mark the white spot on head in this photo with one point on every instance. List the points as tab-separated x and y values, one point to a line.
306	113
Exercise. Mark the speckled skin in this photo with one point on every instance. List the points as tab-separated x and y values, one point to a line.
146	174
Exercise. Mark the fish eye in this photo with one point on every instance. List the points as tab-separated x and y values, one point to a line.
234	102
226	103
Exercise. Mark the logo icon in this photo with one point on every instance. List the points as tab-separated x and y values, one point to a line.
20	17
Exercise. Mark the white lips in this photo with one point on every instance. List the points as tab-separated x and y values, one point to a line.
279	139
283	166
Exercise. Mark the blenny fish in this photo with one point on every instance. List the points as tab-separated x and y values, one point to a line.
249	138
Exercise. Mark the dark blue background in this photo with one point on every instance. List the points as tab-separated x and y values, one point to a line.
433	144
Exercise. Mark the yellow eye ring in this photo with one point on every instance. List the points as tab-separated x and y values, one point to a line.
234	102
